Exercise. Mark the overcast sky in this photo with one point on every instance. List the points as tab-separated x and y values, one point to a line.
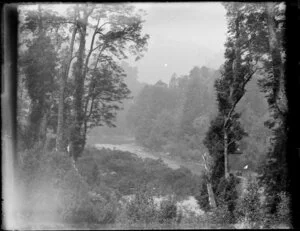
182	35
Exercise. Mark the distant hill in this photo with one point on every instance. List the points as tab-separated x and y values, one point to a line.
194	103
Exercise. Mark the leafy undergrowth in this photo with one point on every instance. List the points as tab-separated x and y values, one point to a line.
53	196
124	172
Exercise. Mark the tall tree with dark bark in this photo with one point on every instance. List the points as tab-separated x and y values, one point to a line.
60	133
240	66
89	87
266	21
119	33
38	64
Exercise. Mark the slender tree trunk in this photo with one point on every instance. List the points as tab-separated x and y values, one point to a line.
63	80
60	117
211	196
76	134
226	165
87	116
42	138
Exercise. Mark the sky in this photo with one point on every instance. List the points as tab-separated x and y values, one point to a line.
182	35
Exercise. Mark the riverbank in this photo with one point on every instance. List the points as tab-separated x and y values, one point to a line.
172	162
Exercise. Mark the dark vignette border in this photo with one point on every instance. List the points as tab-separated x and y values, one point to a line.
9	41
292	86
9	58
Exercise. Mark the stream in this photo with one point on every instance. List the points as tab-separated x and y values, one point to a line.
142	152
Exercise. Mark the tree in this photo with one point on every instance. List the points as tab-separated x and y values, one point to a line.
63	81
150	117
225	131
214	143
211	195
119	32
239	67
173	81
273	85
116	32
267	21
162	131
38	63
194	103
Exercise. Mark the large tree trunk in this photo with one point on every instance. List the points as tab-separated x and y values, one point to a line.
76	134
279	88
63	80
277	64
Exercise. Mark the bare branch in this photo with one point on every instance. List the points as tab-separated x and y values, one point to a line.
91	49
104	25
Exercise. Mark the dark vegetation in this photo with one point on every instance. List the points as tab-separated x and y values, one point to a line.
174	118
248	121
212	117
124	172
50	182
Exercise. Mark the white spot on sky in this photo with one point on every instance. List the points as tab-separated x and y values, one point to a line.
165	65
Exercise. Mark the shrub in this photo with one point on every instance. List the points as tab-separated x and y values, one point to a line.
202	196
249	209
142	208
227	196
221	215
30	164
51	182
40	182
283	211
79	206
168	211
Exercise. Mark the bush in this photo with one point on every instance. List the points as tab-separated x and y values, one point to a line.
249	209
283	211
168	211
220	215
227	196
30	164
142	208
202	196
51	183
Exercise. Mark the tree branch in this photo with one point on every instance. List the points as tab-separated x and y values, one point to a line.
91	49
91	108
104	25
238	99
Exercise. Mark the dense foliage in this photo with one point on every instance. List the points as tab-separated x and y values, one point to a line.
75	84
125	173
121	128
51	184
243	119
173	118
